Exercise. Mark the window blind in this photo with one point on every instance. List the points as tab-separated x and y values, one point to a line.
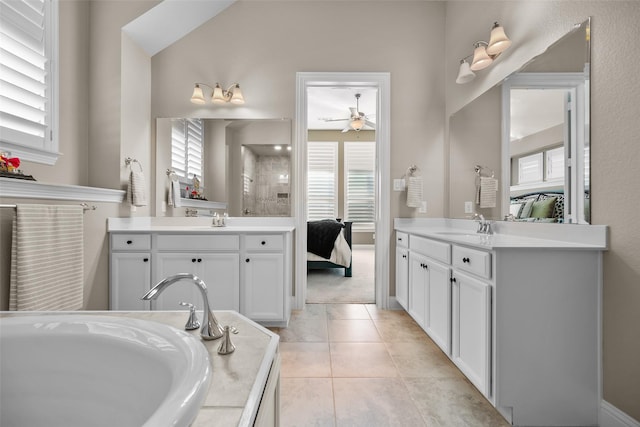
322	184
27	81
555	164
359	169
186	148
530	168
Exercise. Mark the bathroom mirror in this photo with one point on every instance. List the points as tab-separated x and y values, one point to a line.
244	166
531	132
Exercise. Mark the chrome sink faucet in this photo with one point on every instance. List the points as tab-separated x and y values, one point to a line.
484	226
211	329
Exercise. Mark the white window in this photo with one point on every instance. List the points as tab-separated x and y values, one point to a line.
359	186
186	148
28	79
555	164
530	168
322	183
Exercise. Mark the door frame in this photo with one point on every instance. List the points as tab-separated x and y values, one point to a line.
382	82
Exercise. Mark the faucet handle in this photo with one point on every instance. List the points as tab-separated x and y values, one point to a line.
226	346
192	322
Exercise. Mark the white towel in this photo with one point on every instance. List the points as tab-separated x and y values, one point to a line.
47	258
174	193
414	192
488	190
136	192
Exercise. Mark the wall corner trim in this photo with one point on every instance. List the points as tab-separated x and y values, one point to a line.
610	416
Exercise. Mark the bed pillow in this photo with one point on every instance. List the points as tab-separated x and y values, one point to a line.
515	208
543	208
525	212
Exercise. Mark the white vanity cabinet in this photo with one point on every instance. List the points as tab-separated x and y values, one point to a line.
248	272
264	277
131	267
518	315
402	269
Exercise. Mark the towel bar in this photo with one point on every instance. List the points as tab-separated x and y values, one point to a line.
85	207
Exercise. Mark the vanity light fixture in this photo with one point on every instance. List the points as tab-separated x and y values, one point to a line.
483	54
218	96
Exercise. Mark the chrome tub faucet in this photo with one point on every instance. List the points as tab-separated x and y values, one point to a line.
211	329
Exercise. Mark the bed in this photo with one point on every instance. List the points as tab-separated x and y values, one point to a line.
329	245
541	206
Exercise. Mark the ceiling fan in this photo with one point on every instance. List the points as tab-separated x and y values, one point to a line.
357	120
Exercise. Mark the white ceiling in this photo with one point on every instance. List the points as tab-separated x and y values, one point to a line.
534	110
334	103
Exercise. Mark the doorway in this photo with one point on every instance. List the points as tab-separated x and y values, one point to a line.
378	83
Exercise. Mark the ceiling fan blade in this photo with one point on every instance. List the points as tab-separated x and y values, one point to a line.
347	129
334	120
370	124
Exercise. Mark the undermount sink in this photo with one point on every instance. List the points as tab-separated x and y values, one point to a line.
99	371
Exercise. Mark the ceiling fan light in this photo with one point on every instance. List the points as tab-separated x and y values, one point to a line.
198	96
465	75
481	59
499	42
357	124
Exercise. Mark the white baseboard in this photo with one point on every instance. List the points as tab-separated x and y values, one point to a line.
610	416
393	304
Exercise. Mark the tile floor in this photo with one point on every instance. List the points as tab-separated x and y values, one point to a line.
355	365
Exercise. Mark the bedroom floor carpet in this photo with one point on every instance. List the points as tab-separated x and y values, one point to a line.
329	286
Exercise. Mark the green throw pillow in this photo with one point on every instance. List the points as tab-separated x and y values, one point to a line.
543	208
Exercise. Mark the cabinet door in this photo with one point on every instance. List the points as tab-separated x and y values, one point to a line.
438	305
221	274
402	277
418	282
169	264
472	329
130	280
263	286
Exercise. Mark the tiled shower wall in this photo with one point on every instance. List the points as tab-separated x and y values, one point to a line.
267	192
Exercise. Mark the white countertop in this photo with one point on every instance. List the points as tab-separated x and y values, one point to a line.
508	235
238	379
199	225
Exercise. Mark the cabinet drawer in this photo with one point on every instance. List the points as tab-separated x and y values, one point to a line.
265	242
437	250
190	242
402	239
130	242
473	261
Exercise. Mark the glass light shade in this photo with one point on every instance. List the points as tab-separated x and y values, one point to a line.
236	97
218	95
465	75
481	59
198	96
499	42
357	124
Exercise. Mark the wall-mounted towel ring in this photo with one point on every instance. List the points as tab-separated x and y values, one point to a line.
480	170
412	170
130	160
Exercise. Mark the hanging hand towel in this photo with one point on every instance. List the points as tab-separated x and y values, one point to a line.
136	194
174	193
488	190
414	192
47	258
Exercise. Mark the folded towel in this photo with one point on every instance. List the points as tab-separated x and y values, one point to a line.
174	193
414	192
488	190
136	192
47	258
